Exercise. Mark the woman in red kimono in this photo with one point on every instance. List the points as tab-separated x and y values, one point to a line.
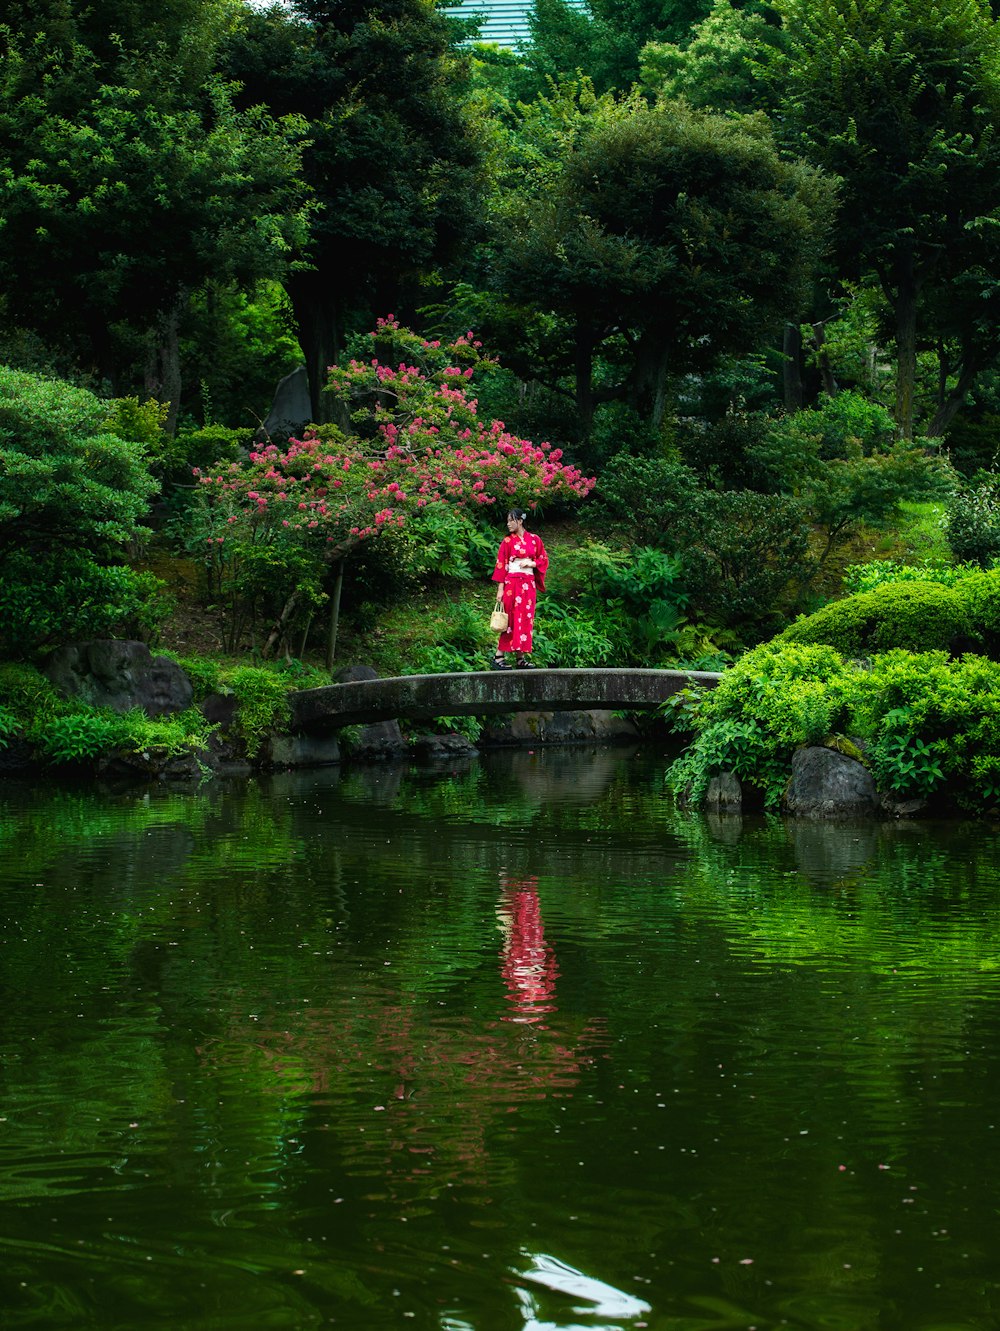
521	564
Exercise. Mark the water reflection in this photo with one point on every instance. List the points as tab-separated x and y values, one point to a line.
590	1298
518	1048
528	963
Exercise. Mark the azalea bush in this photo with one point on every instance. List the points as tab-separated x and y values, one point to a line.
417	442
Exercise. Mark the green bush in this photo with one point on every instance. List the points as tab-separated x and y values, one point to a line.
140	422
843	460
65	479
972	520
917	616
262	704
743	553
958	611
774	700
643	497
72	495
172	459
926	724
980	595
9	726
50	597
81	734
880	572
574	638
932	723
69	731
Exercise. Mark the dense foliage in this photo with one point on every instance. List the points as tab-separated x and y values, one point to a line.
72	496
275	525
735	264
927	725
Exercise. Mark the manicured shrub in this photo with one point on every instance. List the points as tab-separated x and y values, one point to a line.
917	616
957	611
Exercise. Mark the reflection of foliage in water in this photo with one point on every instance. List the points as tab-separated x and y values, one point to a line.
298	988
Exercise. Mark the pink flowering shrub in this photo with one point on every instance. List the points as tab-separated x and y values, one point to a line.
418	440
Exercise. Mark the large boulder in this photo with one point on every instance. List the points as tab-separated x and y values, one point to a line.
120	675
829	784
291	408
302	751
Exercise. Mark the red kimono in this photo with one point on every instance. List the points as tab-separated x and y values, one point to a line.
520	588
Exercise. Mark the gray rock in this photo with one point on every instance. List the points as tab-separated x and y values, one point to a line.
436	747
724	794
828	784
302	751
291	408
898	808
120	675
219	709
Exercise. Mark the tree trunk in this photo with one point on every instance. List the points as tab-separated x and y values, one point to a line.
827	378
331	642
792	368
583	371
905	308
163	365
278	628
316	310
950	405
648	380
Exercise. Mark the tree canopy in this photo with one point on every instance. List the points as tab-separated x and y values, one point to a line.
900	99
392	162
682	234
130	177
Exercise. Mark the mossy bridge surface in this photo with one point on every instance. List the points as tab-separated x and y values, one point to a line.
486	693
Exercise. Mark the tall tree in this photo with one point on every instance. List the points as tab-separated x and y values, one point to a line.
129	178
901	100
603	38
675	235
392	162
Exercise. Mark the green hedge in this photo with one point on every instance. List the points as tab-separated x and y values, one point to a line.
916	616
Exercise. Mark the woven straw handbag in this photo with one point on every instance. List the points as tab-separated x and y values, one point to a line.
498	619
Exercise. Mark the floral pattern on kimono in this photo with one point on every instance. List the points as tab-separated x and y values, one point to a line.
520	589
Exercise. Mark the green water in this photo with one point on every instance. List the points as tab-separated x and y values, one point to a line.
510	1046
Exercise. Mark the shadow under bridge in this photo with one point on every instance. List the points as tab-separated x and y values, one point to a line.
486	693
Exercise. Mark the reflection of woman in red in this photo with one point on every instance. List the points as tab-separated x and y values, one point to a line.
528	963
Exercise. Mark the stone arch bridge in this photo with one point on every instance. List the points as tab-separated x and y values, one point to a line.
486	693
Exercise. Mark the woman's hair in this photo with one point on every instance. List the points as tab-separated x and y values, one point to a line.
518	514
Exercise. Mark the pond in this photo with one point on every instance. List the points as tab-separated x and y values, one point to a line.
505	1045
